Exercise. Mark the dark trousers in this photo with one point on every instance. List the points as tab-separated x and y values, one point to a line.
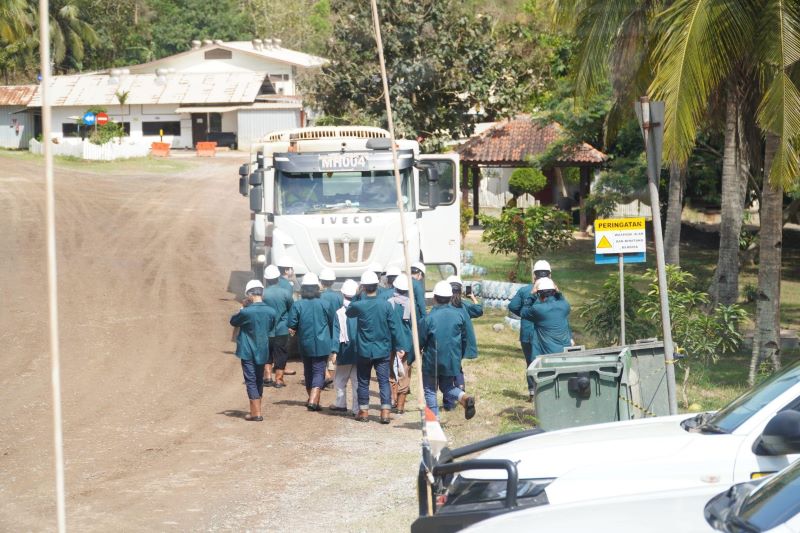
314	371
253	379
278	353
447	385
364	368
527	351
449	404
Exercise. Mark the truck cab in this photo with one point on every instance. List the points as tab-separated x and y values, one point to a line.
326	198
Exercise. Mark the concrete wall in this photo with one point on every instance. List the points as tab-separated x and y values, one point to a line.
255	124
16	129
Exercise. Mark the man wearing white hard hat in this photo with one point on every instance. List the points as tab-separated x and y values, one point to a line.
549	310
286	267
311	320
392	271
252	344
344	342
400	366
418	286
541	269
281	301
444	335
378	334
470	310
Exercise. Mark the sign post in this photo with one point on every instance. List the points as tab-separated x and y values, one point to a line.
620	240
651	121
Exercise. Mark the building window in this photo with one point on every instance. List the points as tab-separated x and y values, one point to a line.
214	122
70	129
278	77
153	128
218	53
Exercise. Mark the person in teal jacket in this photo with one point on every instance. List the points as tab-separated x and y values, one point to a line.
444	343
286	268
400	366
418	286
334	299
527	332
378	333
344	344
255	322
312	322
470	310
279	300
549	311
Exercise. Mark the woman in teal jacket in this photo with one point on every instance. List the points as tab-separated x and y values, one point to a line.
400	367
549	311
312	322
255	322
344	344
470	310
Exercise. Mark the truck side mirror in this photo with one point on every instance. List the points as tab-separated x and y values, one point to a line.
257	178
244	170
243	185
257	199
781	436
260	159
433	185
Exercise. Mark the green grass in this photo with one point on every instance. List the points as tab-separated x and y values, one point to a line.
145	165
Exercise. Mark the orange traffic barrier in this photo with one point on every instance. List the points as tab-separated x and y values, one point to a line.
159	149
206	149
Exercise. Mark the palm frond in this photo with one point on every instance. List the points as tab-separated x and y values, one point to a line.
701	41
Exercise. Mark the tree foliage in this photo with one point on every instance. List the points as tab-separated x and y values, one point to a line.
528	180
442	66
526	233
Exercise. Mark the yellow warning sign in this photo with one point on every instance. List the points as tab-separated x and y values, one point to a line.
619	236
604	243
617	224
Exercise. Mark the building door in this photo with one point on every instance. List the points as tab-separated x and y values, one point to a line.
199	128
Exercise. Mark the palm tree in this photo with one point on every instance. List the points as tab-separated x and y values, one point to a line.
69	34
14	21
703	45
614	45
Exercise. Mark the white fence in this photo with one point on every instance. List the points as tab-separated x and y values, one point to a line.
85	150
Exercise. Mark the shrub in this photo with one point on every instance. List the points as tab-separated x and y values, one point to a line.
526	234
466	219
107	132
525	181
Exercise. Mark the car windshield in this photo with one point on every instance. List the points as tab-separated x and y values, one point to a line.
774	502
740	410
341	192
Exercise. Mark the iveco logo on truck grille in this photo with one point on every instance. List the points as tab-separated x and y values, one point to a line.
347	220
343	161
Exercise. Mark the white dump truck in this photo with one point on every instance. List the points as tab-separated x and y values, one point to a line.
326	198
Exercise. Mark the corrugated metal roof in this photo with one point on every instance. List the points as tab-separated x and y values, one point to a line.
225	109
277	53
179	88
16	94
517	140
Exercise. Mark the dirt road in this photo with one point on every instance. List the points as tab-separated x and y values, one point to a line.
153	398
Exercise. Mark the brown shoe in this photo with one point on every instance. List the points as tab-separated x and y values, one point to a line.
362	416
401	404
279	383
385	416
468	402
313	399
255	411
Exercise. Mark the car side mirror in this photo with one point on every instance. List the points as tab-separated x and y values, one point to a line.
781	436
257	178
257	199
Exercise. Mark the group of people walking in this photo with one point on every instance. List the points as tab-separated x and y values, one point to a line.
344	336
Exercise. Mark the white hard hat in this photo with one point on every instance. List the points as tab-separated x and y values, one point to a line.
544	284
271	272
310	279
349	288
443	289
285	262
454	279
253	284
418	265
375	267
327	275
401	282
393	270
369	278
541	264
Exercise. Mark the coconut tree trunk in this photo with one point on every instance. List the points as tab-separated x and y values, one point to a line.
725	285
672	233
766	337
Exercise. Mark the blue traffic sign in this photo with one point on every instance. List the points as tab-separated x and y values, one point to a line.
89	118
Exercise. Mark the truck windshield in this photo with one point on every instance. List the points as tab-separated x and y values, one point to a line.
341	192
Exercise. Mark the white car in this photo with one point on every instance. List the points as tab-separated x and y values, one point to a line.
755	506
756	434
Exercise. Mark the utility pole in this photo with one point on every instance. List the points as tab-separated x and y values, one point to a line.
651	120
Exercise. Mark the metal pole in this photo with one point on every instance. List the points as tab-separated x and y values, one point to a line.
52	275
621	299
653	173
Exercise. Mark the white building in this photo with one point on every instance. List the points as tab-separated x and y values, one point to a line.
16	123
230	92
